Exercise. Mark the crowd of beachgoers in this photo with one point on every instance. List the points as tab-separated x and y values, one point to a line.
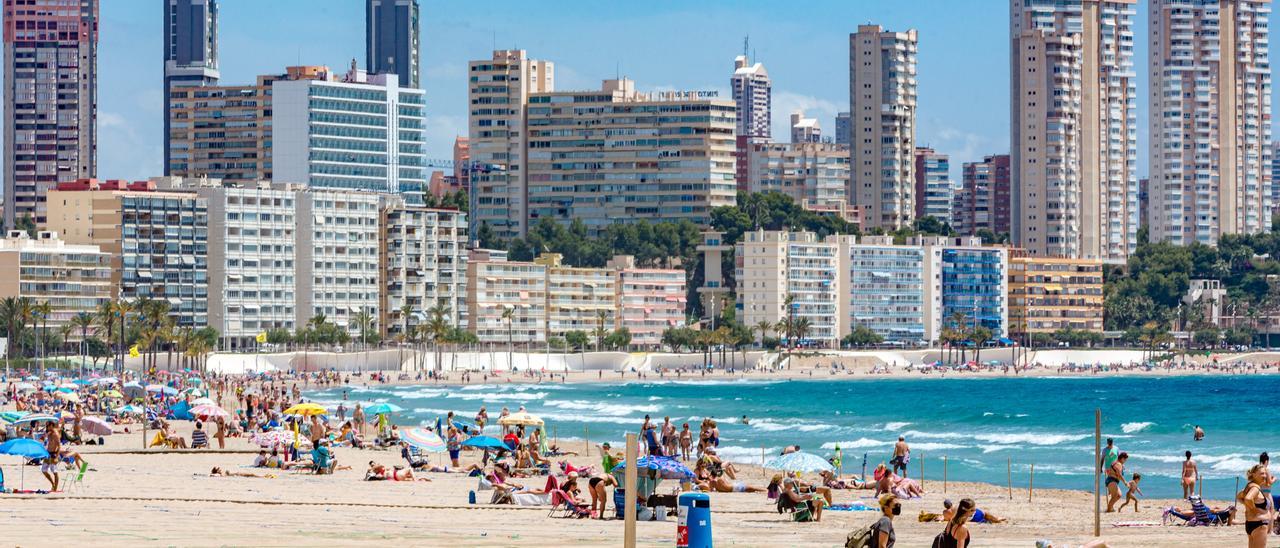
53	421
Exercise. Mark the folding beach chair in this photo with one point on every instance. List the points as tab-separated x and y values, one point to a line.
562	505
76	478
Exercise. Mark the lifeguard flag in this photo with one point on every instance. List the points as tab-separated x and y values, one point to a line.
133	351
262	337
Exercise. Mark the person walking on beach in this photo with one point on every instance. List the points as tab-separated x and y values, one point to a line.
882	530
52	444
1115	477
901	456
686	441
357	417
1129	495
1109	455
1189	473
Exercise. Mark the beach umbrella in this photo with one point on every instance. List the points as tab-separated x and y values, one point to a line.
667	467
799	461
106	380
30	378
112	394
522	418
202	401
193	391
129	409
95	426
273	438
195	380
383	408
485	442
69	396
25	387
12	416
69	386
306	409
423	439
154	387
81	382
25	448
209	410
37	417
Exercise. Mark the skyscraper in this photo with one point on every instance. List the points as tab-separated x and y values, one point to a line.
498	90
844	128
50	100
752	97
1073	127
805	130
391	39
934	193
983	199
1210	119
190	51
882	106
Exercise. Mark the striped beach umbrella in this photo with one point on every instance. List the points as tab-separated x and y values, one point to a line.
423	439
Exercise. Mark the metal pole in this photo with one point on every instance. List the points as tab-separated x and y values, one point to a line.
944	473
1097	473
1031	486
1010	472
922	471
629	527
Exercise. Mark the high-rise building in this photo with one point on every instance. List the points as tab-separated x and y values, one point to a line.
462	162
1275	177
934	192
974	285
578	298
158	240
190	52
752	98
615	155
72	279
649	300
498	92
982	202
506	300
252	256
391	39
422	265
844	128
50	100
337	241
1073	127
221	132
882	106
360	132
791	276
805	130
1048	294
813	174
887	288
1210	119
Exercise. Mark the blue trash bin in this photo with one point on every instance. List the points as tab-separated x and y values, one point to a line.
694	527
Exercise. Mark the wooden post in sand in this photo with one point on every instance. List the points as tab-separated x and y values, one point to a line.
586	436
629	482
922	471
1009	470
1031	485
1097	473
944	473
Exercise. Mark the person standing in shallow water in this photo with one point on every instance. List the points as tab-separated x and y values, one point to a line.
1189	473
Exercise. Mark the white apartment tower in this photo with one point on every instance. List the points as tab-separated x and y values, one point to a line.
1210	119
882	105
1073	128
498	91
753	95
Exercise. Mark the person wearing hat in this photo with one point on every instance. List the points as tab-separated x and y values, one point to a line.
608	460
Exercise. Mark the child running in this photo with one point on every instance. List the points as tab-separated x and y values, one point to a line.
1129	495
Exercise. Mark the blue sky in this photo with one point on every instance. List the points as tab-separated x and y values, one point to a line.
963	59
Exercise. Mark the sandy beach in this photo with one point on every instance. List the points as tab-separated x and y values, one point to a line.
151	498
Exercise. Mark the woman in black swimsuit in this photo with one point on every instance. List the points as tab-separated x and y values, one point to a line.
956	535
1257	511
599	495
1115	478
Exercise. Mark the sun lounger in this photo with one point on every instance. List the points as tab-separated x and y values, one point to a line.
562	505
1200	515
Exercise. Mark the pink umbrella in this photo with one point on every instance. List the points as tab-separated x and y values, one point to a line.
95	426
209	410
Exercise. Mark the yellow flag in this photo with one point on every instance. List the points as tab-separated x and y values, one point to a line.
262	337
133	351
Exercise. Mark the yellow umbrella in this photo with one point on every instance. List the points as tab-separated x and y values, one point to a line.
112	394
522	418
306	409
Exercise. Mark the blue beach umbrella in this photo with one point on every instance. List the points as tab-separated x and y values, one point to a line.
38	417
485	442
26	448
383	408
667	467
799	462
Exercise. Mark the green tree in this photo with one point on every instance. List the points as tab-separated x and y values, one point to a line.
862	335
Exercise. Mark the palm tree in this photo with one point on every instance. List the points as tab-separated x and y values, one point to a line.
41	312
980	335
83	321
802	327
364	322
438	327
198	351
509	314
763	327
10	314
406	310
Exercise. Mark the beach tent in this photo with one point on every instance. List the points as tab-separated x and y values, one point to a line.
181	411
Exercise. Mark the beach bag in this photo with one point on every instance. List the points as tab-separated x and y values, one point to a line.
860	538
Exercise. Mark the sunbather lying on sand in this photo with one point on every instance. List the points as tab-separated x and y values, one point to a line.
830	480
219	471
377	472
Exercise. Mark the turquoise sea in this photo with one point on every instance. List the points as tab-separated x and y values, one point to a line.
978	424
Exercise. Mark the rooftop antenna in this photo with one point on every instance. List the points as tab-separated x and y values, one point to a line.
746	40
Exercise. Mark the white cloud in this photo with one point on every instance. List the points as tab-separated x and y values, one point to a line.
123	153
